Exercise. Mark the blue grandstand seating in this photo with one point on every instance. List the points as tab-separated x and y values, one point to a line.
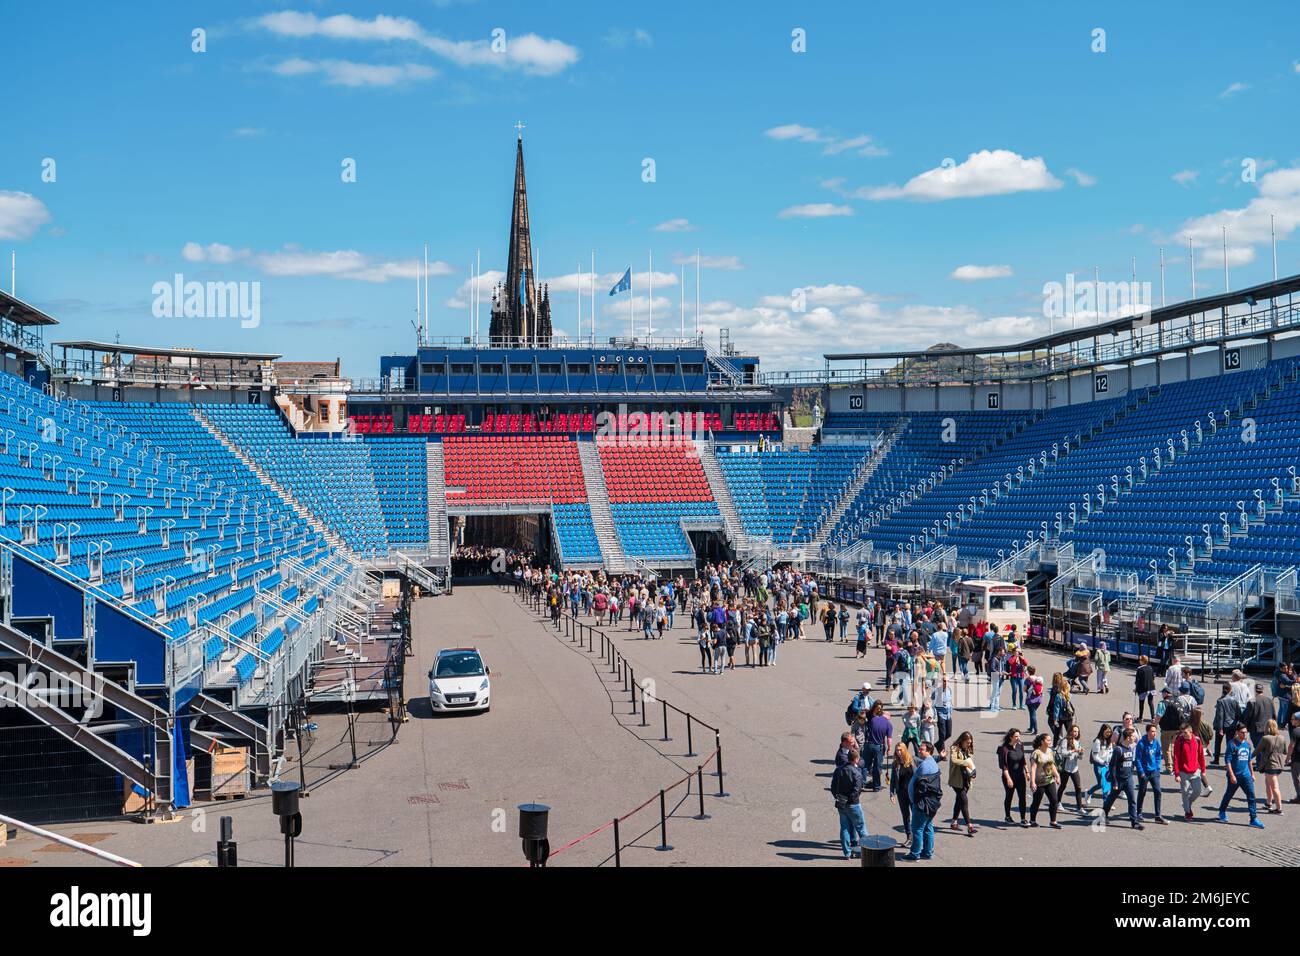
576	533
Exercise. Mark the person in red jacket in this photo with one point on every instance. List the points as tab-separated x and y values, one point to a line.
1189	767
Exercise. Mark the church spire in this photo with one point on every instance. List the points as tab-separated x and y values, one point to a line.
523	317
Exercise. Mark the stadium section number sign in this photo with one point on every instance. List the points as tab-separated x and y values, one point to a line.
1231	359
1102	384
855	403
994	399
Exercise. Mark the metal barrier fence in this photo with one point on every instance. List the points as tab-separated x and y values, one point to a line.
591	639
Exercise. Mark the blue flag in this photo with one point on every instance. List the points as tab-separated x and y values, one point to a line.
624	284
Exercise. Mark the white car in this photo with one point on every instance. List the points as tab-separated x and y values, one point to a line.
459	680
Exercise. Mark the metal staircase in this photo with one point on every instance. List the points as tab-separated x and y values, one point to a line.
439	541
305	513
850	494
726	504
602	518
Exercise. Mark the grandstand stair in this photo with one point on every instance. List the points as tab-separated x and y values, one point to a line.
740	541
439	540
235	449
602	517
823	535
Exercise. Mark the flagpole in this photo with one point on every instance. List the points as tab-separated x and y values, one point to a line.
1225	258
478	292
426	292
1162	277
697	293
631	308
579	300
593	296
683	316
650	327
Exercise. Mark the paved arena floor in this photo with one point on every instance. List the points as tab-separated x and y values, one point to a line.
561	732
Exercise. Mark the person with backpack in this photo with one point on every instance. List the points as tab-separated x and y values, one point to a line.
846	788
1144	685
1060	709
860	704
844	623
1033	696
997	671
1171	722
925	795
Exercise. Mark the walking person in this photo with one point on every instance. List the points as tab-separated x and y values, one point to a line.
961	776
1189	768
1011	763
1123	764
706	650
1060	709
1068	754
1227	714
1044	780
846	788
1150	763
1272	761
1102	658
1144	686
900	777
1103	747
880	740
1239	759
926	795
1293	754
1033	696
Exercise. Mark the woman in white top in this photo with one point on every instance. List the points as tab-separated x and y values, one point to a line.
1068	752
1102	748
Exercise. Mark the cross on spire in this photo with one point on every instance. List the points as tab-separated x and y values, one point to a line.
519	127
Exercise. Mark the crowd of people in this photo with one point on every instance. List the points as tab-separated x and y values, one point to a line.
937	660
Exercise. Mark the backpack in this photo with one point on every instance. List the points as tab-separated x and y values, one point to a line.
928	795
1197	691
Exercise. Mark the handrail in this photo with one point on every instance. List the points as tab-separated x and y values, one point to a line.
68	842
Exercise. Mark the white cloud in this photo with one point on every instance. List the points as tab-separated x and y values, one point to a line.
731	263
832	145
293	261
675	225
985	173
1249	225
814	210
486	282
350	73
1080	177
970	273
213	252
1234	88
1186	177
21	214
248	132
528	52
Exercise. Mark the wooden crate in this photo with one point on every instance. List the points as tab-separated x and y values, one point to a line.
230	772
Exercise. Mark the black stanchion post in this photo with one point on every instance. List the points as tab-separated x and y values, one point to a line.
632	676
624	669
617	860
699	785
665	737
717	739
663	823
690	747
227	849
643	709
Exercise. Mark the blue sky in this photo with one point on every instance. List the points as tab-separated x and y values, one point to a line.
820	170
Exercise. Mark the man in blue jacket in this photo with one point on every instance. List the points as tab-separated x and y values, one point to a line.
925	793
1149	759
